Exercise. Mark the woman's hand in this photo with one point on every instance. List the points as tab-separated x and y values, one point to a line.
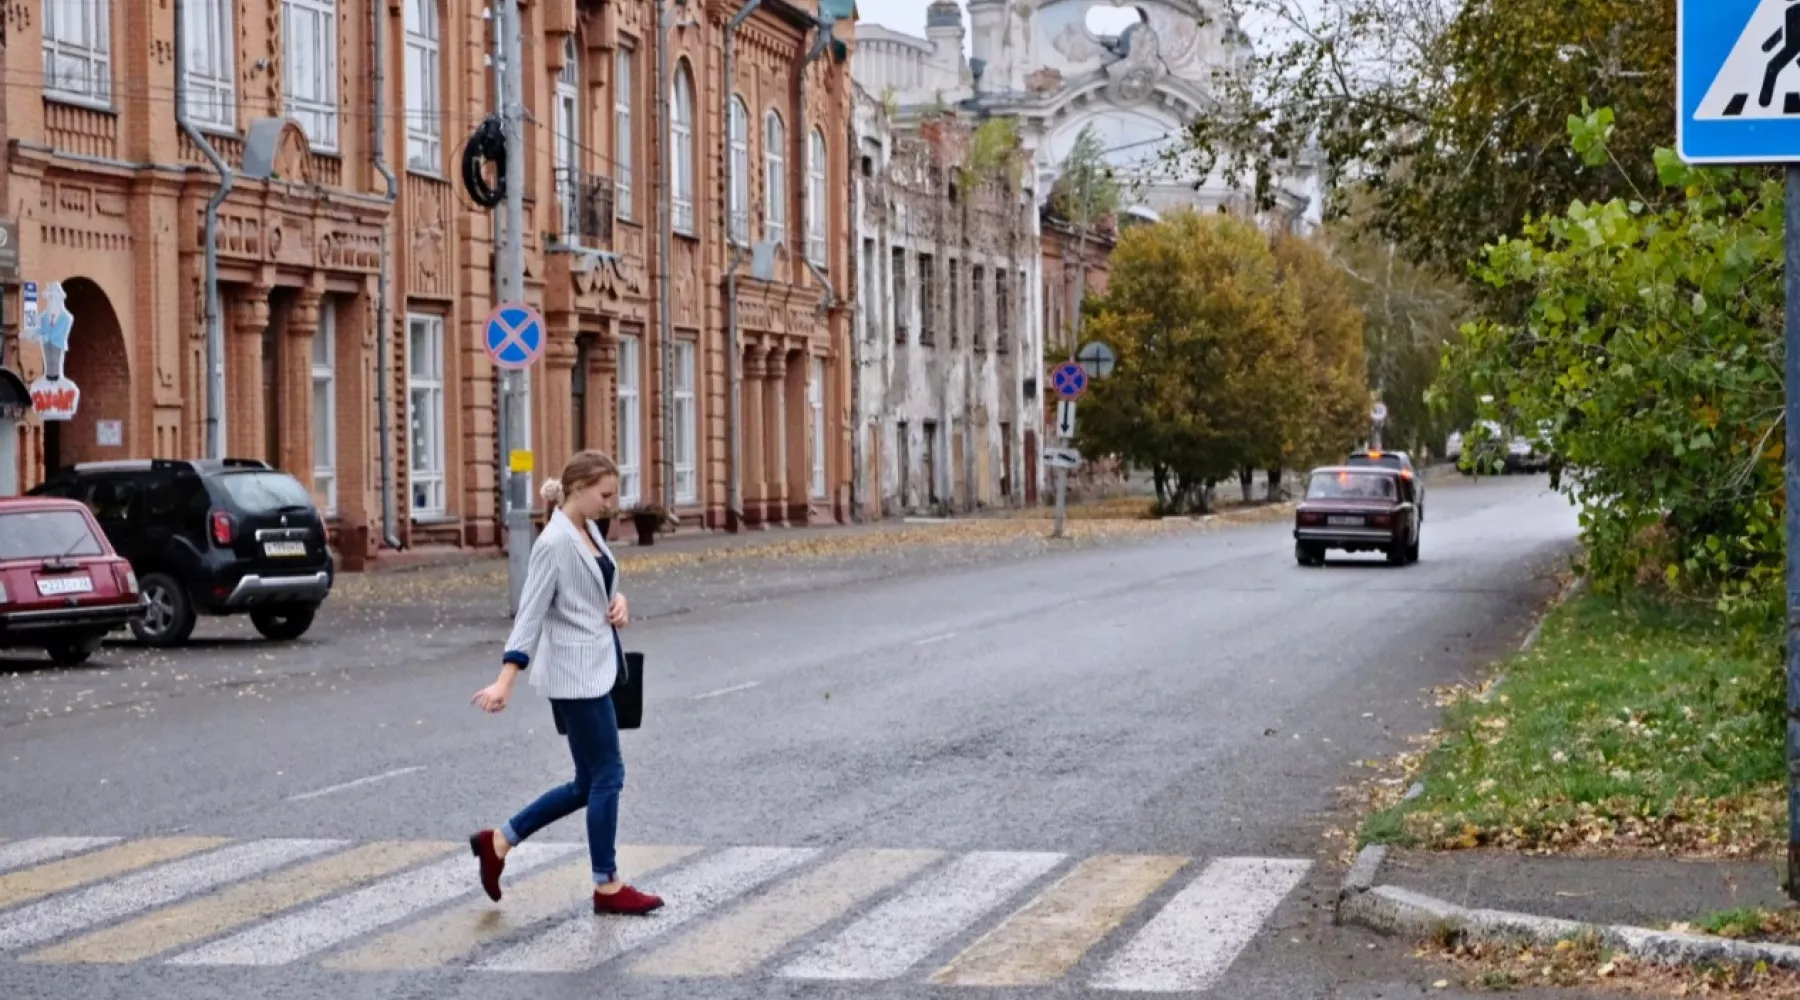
494	697
618	615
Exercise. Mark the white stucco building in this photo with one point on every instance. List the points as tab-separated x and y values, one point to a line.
945	422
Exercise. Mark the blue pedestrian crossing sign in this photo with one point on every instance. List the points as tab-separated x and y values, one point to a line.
1737	81
513	336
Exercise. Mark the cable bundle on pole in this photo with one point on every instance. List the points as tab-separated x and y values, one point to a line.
487	145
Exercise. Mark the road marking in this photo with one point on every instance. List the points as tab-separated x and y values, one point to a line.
156	933
901	932
42	849
935	638
1042	941
332	923
53	918
1188	946
57	876
734	689
739	942
464	930
587	941
358	783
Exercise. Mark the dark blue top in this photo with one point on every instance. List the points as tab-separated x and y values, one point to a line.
607	570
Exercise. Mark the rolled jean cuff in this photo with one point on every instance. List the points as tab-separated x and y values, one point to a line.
605	878
506	831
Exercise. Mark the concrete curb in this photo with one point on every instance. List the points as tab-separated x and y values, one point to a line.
1401	912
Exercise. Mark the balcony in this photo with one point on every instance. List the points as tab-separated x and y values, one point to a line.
585	209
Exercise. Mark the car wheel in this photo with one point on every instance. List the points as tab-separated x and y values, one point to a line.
1396	554
1309	555
283	622
1412	551
73	654
168	614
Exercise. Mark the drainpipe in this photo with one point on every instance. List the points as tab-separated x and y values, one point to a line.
858	205
665	14
215	331
818	49
384	363
734	494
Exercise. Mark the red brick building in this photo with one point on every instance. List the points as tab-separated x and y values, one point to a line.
311	113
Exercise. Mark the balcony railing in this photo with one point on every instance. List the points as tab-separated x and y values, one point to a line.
586	204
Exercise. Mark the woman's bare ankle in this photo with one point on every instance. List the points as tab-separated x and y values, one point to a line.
608	888
501	847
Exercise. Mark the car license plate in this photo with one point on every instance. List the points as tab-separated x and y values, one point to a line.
1344	522
284	549
55	585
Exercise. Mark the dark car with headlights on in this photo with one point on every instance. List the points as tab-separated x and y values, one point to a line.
1366	508
62	587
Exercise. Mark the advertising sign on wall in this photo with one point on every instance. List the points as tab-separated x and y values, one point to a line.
54	395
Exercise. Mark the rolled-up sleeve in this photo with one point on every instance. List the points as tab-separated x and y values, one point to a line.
534	603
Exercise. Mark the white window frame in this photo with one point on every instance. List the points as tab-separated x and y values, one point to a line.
324	401
739	209
815	398
311	25
687	429
210	86
774	178
681	148
815	197
630	422
622	127
565	138
424	88
78	37
425	401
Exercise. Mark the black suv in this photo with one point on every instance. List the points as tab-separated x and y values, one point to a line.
1398	460
215	537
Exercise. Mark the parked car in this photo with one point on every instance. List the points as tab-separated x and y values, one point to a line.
217	538
1365	508
62	587
1398	460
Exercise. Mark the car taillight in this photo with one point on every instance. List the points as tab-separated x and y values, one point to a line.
221	527
1311	518
125	577
1382	520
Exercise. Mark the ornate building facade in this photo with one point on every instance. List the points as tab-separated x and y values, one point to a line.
354	274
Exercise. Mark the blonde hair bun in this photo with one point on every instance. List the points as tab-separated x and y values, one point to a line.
552	491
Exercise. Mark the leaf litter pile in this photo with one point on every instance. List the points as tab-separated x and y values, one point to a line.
1586	963
1629	727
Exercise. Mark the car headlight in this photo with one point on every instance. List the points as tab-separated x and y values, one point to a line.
3	595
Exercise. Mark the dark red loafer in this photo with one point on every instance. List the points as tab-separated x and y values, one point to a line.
627	901
492	864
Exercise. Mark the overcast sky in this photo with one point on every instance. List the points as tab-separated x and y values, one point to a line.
900	15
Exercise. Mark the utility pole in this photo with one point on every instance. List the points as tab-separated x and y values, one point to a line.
515	386
1074	340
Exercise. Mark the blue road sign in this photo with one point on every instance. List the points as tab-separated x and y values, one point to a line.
1737	81
1069	379
513	336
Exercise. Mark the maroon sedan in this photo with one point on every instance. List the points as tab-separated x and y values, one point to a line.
1363	508
62	587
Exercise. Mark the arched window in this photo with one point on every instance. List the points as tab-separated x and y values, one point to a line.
740	171
775	178
681	150
567	149
815	197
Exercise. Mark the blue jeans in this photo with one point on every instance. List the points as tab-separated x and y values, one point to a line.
599	777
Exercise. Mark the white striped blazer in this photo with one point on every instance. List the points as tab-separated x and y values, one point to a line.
560	633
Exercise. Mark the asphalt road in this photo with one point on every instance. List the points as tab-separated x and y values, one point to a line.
1065	774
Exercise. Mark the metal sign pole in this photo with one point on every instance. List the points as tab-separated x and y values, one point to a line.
1791	472
513	398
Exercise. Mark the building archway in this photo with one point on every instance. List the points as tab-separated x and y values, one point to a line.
97	362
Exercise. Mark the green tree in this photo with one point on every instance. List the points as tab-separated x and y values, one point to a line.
1330	405
1202	327
1449	113
1085	189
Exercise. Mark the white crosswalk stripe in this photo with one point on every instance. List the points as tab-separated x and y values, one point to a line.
145	890
1009	918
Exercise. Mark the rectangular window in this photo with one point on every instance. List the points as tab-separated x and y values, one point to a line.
425	411
927	299
309	69
630	423
209	89
901	300
1004	288
324	406
815	398
424	88
815	198
622	125
978	307
78	51
955	301
687	477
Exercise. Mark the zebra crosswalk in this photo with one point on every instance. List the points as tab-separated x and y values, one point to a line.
1127	922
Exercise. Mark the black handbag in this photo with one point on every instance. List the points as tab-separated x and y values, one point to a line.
627	695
